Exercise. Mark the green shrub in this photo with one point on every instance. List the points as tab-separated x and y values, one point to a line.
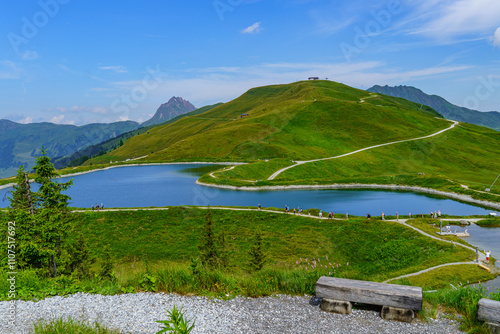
177	323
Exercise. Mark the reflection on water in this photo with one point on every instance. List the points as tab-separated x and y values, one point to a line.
485	238
171	185
200	170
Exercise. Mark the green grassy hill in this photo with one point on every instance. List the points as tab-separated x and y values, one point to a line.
319	119
302	120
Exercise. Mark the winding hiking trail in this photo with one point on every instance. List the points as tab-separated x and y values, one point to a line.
297	163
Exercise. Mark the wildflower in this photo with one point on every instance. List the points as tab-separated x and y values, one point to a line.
307	268
300	259
296	262
330	273
330	263
347	263
327	257
326	267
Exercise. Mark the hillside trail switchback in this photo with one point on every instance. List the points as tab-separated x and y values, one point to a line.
297	163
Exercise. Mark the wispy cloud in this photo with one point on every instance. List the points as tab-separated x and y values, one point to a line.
253	29
9	70
208	85
448	19
496	38
30	55
116	69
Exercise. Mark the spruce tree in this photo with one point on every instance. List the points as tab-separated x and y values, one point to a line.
256	254
208	247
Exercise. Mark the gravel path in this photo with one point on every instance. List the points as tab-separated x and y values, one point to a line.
136	313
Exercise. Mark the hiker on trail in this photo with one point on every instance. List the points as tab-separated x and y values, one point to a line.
92	207
439	214
347	215
102	206
383	216
397	216
258	205
488	253
320	213
368	216
409	215
432	214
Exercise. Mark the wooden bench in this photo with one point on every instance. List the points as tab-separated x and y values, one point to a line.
398	301
489	311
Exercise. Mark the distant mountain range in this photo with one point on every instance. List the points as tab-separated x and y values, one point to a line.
489	119
20	144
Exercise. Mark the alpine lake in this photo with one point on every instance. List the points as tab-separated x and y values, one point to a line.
175	185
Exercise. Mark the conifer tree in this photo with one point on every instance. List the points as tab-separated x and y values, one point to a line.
208	248
256	254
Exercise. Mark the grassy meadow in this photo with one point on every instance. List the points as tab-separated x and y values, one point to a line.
158	251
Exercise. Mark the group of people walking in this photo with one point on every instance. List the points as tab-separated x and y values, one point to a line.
331	214
97	207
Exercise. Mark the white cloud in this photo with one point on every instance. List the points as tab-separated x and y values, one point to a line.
116	69
496	38
26	120
253	29
57	119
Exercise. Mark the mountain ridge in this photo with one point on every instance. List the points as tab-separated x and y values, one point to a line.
21	143
174	107
490	119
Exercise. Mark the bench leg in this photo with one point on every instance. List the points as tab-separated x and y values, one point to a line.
494	327
398	314
336	306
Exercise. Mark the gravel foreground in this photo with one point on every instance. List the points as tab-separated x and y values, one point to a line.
137	313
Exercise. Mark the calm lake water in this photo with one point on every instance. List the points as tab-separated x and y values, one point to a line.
171	185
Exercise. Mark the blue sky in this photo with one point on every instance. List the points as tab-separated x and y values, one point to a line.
77	62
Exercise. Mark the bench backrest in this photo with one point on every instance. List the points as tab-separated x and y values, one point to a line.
383	294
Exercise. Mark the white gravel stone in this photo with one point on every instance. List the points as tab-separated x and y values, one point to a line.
137	313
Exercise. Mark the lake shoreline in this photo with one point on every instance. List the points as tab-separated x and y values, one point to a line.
335	186
8	185
340	186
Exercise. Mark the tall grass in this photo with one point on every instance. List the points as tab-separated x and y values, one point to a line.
464	301
70	326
